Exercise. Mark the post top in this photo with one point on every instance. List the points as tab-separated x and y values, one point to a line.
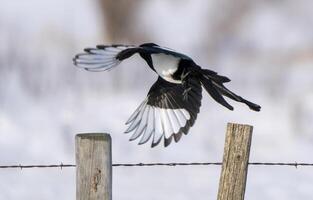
239	125
97	136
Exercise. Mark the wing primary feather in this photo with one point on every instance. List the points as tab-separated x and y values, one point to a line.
94	61
183	111
167	141
137	120
99	69
177	136
150	127
181	118
168	131
159	130
175	119
167	124
131	128
142	126
186	114
137	133
136	112
94	64
87	56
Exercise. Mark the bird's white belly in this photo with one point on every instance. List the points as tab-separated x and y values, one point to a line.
165	66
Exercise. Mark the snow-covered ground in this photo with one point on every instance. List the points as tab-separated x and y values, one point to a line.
45	100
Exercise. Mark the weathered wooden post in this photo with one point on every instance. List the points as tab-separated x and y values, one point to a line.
93	167
235	162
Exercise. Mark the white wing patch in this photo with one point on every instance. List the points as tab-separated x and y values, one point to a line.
153	122
99	59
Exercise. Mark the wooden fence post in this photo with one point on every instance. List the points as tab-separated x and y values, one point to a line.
235	162
93	167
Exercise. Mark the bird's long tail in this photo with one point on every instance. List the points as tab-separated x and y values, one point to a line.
213	84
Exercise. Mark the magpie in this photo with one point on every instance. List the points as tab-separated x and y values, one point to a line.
173	102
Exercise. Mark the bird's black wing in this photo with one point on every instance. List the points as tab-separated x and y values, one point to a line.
165	113
104	57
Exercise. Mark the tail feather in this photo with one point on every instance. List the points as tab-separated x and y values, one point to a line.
213	84
215	94
226	92
214	76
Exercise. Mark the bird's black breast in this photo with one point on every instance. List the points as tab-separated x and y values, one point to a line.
183	68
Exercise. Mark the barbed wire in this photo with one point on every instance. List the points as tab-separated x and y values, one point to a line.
171	164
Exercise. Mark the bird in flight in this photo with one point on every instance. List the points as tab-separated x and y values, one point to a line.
173	101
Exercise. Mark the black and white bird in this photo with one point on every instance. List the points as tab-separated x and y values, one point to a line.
173	101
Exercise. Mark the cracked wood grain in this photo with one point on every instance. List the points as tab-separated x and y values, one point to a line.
93	167
235	162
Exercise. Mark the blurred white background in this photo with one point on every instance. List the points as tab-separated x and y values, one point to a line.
265	47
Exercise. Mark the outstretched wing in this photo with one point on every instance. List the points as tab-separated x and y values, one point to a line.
165	113
104	57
